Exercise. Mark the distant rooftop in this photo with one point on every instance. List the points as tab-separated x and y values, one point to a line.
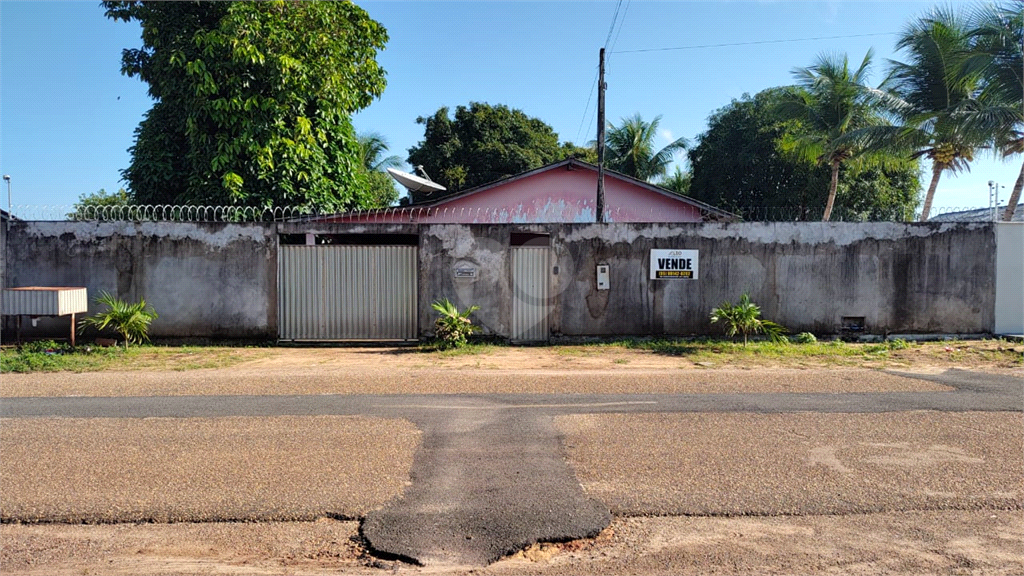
979	215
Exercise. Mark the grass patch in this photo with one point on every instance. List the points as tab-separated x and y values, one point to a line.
896	352
50	356
470	349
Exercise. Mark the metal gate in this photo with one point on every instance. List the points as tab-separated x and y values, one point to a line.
530	301
347	293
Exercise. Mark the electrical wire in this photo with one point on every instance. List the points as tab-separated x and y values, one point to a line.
587	107
615	41
754	43
608	38
615	16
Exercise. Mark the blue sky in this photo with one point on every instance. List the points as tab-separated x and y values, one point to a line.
67	115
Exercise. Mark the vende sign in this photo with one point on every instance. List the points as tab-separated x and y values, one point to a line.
674	264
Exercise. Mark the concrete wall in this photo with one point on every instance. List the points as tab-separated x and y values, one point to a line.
807	276
1009	313
210	280
203	279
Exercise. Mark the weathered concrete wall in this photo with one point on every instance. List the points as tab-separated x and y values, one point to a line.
220	280
203	279
807	276
481	248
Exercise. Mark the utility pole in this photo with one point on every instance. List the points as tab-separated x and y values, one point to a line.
600	141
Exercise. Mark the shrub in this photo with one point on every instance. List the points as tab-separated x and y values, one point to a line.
43	347
898	344
745	318
130	320
805	338
452	327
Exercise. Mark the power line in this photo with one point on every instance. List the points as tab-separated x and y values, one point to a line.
611	29
615	16
700	46
586	108
624	12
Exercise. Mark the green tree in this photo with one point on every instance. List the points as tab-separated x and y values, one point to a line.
935	99
739	164
253	101
92	206
481	144
829	101
584	153
372	152
996	53
630	150
678	181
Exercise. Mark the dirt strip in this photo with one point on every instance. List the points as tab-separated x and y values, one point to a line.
895	543
384	379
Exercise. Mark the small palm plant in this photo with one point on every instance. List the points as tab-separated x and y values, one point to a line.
129	319
452	327
745	318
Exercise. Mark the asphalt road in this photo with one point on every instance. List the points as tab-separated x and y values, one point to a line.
490	476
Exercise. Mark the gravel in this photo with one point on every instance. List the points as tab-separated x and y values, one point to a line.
806	463
201	469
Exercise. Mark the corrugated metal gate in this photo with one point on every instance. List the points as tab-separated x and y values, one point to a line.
347	293
530	302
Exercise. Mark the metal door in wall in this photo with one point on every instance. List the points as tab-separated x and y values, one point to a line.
530	293
347	293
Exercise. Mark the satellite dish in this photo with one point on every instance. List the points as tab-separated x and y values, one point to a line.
415	183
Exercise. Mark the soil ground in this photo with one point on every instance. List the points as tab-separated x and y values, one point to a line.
963	517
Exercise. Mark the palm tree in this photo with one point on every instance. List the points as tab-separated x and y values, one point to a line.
372	147
935	98
630	148
830	102
997	53
678	181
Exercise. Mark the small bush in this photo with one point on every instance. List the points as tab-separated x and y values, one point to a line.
43	347
452	327
129	319
804	338
898	344
745	318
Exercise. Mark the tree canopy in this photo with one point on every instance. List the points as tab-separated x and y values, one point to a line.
829	101
631	150
481	144
739	164
997	53
934	97
253	102
379	185
90	206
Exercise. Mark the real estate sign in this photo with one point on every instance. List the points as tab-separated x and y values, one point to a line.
674	264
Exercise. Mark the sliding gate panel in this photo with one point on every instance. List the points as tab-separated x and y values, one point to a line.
530	301
347	293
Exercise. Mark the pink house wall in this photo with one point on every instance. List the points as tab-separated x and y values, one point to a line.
558	195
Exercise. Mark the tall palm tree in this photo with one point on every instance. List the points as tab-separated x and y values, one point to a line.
935	98
630	148
372	147
997	53
830	101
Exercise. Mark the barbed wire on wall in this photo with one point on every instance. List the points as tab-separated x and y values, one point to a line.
581	212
